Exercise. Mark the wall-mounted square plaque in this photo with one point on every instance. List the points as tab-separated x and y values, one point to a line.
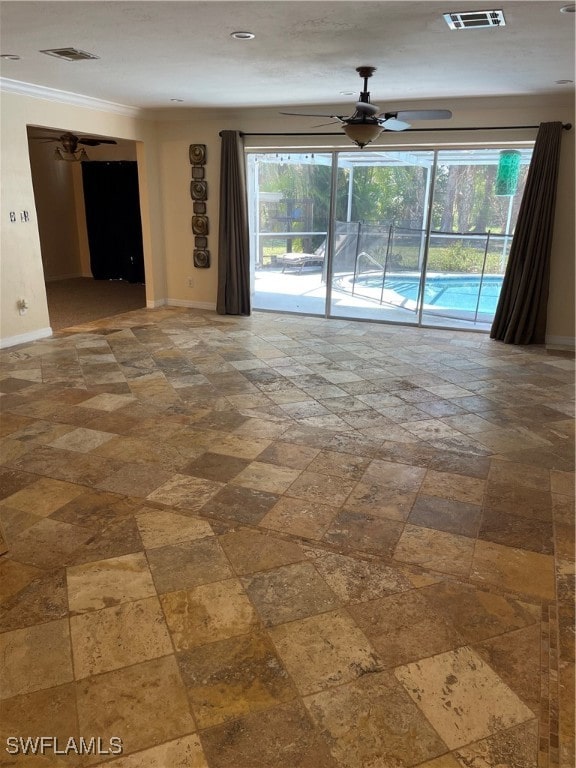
197	171
199	207
201	258
197	154
200	242
200	225
199	190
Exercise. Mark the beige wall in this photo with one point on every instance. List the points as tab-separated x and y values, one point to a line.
164	170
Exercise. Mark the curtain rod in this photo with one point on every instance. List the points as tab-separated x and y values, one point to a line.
565	126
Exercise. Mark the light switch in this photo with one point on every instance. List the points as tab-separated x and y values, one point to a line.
12	215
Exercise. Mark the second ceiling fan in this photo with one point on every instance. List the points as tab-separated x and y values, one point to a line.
367	122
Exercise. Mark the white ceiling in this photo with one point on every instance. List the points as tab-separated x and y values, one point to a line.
303	52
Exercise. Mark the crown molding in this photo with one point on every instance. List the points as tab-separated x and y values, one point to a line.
67	97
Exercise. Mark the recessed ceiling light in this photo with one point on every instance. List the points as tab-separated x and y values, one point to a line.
563	82
178	101
568	8
347	93
10	57
242	35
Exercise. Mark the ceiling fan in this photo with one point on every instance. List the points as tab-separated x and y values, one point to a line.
367	122
72	148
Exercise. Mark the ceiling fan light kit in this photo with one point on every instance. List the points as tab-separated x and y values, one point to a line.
367	121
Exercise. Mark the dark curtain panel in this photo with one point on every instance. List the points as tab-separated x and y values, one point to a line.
521	312
233	240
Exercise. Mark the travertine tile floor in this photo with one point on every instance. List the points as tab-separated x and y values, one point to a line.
282	542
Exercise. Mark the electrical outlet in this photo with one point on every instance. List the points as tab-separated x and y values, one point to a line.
190	282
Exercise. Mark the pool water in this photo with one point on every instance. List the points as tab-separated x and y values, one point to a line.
446	292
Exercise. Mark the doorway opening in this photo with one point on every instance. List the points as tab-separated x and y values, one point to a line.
77	290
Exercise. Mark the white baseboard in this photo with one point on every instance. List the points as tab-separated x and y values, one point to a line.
191	304
25	338
561	343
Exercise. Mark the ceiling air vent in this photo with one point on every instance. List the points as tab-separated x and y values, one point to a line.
69	54
475	19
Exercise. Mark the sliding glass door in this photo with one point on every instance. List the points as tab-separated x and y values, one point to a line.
289	198
409	236
378	257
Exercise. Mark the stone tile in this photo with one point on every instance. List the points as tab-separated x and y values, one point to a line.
380	501
159	527
514	656
95	509
357	530
240	447
394	731
404	628
117	637
126	702
43	598
185	752
189	564
478	614
299	517
107	402
45	712
448	687
277	738
342	465
82	440
324	651
447	485
355	580
249	551
399	477
562	482
514	748
136	480
220	678
289	592
266	477
215	466
288	455
107	583
35	658
185	492
243	505
317	487
208	613
12	481
517	531
444	761
44	497
444	515
437	550
48	544
528	573
117	538
14	577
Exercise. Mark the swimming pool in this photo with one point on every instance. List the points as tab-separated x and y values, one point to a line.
442	292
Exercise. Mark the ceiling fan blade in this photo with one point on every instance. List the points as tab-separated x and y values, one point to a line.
393	124
95	142
332	122
313	114
424	114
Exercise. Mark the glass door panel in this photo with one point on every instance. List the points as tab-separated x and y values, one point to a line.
289	209
471	233
379	242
